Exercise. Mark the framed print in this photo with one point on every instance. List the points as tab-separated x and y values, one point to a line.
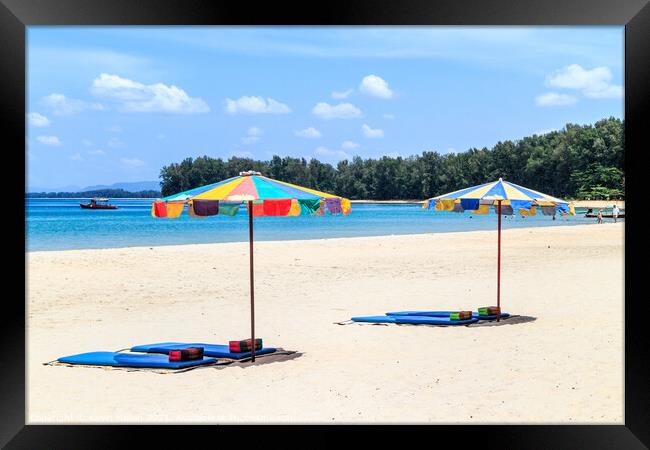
343	213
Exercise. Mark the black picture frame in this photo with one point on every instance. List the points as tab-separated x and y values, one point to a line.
16	15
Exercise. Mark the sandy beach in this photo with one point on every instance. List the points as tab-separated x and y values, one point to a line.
599	203
564	367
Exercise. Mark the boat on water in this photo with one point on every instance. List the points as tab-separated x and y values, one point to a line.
97	203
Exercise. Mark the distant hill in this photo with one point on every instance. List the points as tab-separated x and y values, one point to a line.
109	193
134	186
69	188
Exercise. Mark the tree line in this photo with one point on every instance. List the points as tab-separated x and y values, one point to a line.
577	162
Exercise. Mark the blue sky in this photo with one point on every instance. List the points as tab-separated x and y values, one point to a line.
110	104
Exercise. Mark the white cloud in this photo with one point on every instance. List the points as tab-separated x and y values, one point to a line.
393	155
542	132
161	136
340	111
49	140
87	142
132	162
62	105
76	157
255	105
137	97
342	94
349	145
115	143
372	132
331	154
37	120
375	86
555	99
612	91
254	131
252	135
389	116
594	83
308	133
96	152
114	129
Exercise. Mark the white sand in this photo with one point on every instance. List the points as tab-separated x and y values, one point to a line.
567	366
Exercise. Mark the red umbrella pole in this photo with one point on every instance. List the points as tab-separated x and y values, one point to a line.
498	264
250	240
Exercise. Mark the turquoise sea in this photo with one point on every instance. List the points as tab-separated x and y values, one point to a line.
60	224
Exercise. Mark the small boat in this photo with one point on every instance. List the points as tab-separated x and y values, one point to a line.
97	203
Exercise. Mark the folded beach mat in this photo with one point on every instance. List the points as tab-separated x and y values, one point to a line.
215	350
475	315
420	313
429	320
375	319
414	320
116	359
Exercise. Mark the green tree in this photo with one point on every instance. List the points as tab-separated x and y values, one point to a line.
576	161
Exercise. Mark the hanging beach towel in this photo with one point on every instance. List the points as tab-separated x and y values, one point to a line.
277	207
174	209
333	205
206	208
158	209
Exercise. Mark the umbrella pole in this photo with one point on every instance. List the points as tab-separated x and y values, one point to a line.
499	264
250	240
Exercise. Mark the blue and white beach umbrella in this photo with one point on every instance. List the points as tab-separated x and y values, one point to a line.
505	198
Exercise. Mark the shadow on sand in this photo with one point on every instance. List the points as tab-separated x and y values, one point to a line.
279	356
512	320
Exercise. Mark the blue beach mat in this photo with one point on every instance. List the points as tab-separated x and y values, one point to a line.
115	359
440	314
421	313
414	320
215	350
375	319
433	320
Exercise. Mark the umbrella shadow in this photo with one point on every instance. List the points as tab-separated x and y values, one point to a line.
279	356
512	320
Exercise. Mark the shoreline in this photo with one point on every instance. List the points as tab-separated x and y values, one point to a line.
286	241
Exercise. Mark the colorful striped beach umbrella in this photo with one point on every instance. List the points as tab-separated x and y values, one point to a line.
506	199
262	196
